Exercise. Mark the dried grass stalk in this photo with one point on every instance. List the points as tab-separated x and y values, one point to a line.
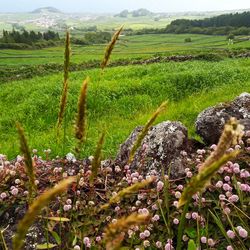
110	48
67	57
81	119
115	232
97	159
233	131
64	95
35	208
29	166
128	191
145	131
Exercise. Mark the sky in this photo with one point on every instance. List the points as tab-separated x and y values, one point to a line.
115	6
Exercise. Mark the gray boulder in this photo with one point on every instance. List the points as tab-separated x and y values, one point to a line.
160	148
210	123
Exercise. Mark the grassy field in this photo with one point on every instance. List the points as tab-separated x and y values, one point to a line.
118	100
129	47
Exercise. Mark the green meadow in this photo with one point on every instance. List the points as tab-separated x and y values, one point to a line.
128	47
119	99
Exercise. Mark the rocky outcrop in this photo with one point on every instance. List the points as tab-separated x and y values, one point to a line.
211	121
161	148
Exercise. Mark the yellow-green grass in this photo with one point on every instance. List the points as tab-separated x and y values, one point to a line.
118	101
129	47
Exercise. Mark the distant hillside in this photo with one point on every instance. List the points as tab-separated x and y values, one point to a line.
135	13
46	9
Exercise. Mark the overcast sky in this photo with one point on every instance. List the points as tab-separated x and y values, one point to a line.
118	5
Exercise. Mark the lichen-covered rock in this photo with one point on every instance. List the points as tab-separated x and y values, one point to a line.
160	147
210	122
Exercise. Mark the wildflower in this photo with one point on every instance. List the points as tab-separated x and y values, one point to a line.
138	203
236	170
176	221
67	207
227	178
98	238
91	203
155	207
155	218
69	201
180	187
114	221
227	210
195	215
177	195
168	246
203	239
188	216
189	174
226	187
234	198
222	197
175	203
3	195
230	247
210	242
117	209
231	234
146	243
146	233
70	157
160	186
76	247
117	169
158	244
17	181
130	233
14	191
243	233
185	238
243	187
12	173
145	211
142	236
87	242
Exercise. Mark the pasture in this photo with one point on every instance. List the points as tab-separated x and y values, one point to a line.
118	100
129	47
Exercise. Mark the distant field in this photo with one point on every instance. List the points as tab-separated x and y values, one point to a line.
118	100
143	46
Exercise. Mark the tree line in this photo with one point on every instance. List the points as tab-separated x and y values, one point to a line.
237	24
28	39
227	24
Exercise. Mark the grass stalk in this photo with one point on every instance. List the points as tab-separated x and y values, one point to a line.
97	159
110	48
114	233
81	119
35	209
64	95
29	165
145	130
